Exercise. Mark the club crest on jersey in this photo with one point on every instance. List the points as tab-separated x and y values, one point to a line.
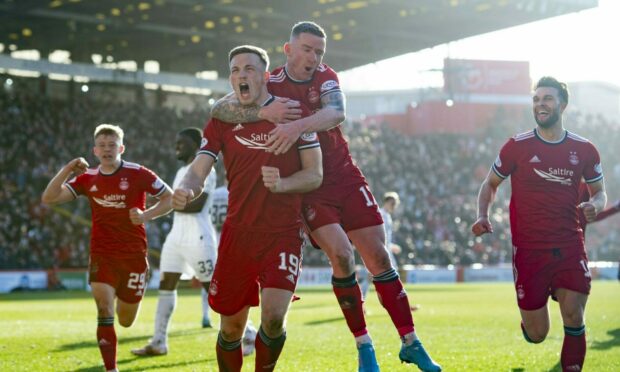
520	293
572	158
313	95
309	137
123	185
213	288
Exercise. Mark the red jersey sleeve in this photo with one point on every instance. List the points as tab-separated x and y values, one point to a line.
211	139
76	185
151	183
592	171
505	162
307	140
328	80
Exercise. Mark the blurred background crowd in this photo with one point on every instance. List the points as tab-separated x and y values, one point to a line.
436	175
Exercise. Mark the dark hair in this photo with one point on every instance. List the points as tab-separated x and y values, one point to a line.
242	49
307	27
192	133
551	82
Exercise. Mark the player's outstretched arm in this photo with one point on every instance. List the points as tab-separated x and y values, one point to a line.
281	110
486	196
331	114
192	184
597	201
56	191
308	178
162	207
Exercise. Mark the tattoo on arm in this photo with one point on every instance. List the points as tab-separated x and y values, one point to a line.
231	111
335	100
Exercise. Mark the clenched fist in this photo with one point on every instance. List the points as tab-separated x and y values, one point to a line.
181	198
482	226
135	215
271	178
78	166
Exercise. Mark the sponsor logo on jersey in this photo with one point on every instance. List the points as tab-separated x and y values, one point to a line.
329	84
238	127
93	188
123	185
498	162
254	143
597	168
111	201
572	158
203	142
534	159
558	175
309	137
313	95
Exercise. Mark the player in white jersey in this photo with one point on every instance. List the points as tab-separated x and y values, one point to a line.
190	247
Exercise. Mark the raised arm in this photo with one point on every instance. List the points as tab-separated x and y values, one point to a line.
308	178
331	114
597	201
229	110
56	191
193	183
486	196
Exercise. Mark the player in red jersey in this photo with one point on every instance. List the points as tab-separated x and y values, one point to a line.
343	208
116	191
260	246
546	166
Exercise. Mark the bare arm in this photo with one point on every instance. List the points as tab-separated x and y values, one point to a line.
162	207
281	110
56	191
609	211
486	196
330	115
308	178
597	201
193	182
196	205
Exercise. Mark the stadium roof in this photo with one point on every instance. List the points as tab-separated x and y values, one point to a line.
190	35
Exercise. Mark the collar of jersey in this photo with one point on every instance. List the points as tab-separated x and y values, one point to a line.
268	100
113	173
295	80
551	142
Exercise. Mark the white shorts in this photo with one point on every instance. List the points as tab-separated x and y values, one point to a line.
197	259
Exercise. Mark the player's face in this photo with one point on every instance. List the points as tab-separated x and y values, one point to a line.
248	78
185	148
547	106
303	55
108	149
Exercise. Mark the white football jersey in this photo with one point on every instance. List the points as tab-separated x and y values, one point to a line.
219	207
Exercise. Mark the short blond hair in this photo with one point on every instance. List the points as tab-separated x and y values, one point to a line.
109	130
391	195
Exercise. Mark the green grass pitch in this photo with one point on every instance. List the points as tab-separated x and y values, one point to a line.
465	327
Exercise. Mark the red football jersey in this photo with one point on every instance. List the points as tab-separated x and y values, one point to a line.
250	204
545	178
111	196
338	166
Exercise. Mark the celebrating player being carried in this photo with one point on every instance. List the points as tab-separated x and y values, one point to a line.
190	247
546	166
343	208
261	243
117	192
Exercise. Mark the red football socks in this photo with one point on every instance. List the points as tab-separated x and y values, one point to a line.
106	338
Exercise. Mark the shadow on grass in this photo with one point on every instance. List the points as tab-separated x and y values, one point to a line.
613	342
77	294
556	368
146	368
124	340
324	321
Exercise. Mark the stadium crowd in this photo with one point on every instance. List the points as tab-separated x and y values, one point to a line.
437	177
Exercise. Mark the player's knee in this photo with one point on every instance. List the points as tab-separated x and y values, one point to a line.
344	260
273	327
104	310
232	331
573	318
126	321
535	335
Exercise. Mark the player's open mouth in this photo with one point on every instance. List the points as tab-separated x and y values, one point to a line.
244	90
308	69
542	114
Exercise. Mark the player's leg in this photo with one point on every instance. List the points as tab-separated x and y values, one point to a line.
104	295
204	297
572	308
202	258
271	333
166	303
228	347
535	324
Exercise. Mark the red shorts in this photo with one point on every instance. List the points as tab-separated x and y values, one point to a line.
126	275
248	261
352	207
539	272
